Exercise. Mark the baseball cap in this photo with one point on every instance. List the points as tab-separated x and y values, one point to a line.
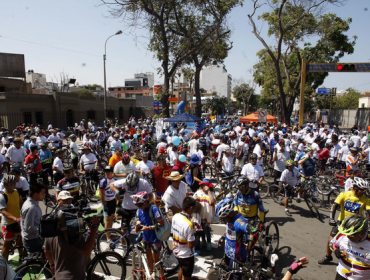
63	195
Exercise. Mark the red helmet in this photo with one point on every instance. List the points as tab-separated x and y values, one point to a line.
126	158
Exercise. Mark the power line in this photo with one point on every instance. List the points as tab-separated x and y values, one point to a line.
361	85
48	46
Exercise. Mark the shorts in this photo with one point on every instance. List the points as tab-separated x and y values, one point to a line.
218	164
154	246
9	235
334	231
111	205
187	266
75	163
288	191
127	216
277	175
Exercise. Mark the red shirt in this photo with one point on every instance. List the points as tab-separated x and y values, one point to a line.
30	159
161	183
324	154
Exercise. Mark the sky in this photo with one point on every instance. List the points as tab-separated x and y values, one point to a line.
69	36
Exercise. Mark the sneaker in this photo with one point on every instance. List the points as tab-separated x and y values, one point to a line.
209	246
288	213
197	253
325	260
298	200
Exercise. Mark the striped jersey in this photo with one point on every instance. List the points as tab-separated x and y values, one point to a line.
183	232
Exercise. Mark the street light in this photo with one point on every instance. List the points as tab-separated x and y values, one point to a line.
105	74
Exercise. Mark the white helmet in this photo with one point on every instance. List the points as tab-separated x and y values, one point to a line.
360	183
225	210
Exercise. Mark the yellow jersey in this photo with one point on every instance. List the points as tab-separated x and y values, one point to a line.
351	204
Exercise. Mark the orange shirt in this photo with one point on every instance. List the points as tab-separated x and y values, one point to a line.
132	131
114	159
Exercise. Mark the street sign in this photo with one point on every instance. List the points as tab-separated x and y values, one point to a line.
323	90
262	115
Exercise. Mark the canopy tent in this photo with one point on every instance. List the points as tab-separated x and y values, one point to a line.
184	118
254	118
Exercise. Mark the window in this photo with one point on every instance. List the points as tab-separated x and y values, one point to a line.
119	89
27	116
111	114
110	89
39	118
119	95
91	115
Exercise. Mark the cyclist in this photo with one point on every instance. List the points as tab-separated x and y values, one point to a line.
136	157
116	157
145	165
352	202
248	201
289	179
54	139
21	184
352	159
89	162
70	183
280	156
351	246
107	197
344	152
124	167
58	166
151	243
10	209
46	163
16	154
307	164
253	171
74	152
237	232
34	162
159	174
131	185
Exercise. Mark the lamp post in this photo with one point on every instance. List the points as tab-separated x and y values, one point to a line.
105	74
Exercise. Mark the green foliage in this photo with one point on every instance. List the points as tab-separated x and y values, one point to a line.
93	85
349	100
216	105
243	94
85	93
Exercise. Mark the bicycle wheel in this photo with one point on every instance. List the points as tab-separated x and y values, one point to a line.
264	189
315	212
107	265
271	237
208	172
268	171
323	184
115	242
33	270
316	198
137	265
332	197
278	198
170	262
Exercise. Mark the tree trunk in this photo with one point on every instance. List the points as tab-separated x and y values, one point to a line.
284	112
165	95
198	109
245	107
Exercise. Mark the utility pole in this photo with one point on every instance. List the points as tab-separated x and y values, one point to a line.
332	94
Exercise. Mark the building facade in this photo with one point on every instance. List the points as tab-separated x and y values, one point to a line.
216	78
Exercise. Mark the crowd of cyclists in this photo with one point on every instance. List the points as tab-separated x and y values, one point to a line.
134	168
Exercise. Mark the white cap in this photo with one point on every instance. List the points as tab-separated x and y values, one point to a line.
63	195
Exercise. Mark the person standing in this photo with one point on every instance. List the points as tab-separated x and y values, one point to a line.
58	166
159	174
279	158
74	152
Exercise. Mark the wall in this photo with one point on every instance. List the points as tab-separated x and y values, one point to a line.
217	77
348	118
365	101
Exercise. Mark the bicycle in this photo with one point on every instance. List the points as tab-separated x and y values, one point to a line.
35	267
14	245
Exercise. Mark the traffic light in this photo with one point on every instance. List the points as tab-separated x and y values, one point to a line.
346	67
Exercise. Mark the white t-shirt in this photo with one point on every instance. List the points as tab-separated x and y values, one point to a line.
88	161
356	140
54	138
228	163
144	166
73	147
183	232
173	197
120	168
281	158
193	145
16	155
348	184
21	185
58	164
173	156
221	148
161	144
41	139
257	150
290	177
253	172
127	202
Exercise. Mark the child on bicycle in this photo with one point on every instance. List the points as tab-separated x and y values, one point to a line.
152	244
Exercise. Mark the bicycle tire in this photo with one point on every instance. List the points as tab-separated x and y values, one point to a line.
264	189
170	262
32	270
323	185
272	239
208	172
138	272
332	197
316	198
121	247
279	199
104	259
315	212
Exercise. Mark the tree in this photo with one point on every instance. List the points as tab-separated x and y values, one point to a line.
243	93
216	105
166	22
349	100
84	92
93	85
292	23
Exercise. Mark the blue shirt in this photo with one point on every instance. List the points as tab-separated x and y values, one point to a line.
236	236
146	220
27	144
44	155
272	144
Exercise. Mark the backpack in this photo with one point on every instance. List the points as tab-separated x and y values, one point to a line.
239	151
163	233
189	178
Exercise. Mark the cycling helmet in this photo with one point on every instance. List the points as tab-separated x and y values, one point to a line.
307	149
144	154
8	179
328	144
350	143
253	156
354	224
353	149
126	158
241	182
360	183
289	162
92	135
72	136
225	210
67	167
140	197
132	181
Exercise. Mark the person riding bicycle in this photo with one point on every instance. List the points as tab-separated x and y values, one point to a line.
248	201
307	164
351	246
289	179
70	183
152	245
74	152
124	167
131	186
144	166
34	162
10	209
21	184
350	203
89	162
237	233
352	159
46	163
253	171
16	154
